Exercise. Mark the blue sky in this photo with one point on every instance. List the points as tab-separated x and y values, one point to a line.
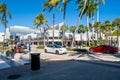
25	11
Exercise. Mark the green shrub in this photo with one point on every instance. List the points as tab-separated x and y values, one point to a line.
69	49
80	50
77	49
40	47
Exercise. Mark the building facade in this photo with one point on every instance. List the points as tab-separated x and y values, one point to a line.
43	35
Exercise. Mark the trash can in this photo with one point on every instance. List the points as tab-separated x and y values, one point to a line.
35	61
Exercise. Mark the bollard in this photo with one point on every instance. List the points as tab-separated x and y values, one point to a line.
35	61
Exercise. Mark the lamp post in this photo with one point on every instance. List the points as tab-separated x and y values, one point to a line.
44	35
3	42
29	43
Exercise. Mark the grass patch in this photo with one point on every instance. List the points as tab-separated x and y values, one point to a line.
69	49
40	47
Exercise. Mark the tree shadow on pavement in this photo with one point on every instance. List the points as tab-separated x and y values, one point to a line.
90	56
64	70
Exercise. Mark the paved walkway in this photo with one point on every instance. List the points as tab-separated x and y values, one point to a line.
62	70
47	58
21	58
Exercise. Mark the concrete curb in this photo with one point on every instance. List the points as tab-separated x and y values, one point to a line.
103	63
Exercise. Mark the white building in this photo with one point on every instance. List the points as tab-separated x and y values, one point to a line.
1	37
23	32
38	36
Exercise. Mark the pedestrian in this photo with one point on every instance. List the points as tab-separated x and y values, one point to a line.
29	47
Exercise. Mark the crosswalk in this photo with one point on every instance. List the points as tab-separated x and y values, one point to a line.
6	62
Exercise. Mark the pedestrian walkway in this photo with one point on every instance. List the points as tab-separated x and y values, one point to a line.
50	64
6	62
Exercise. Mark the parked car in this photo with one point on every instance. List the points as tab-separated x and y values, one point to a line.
55	48
103	49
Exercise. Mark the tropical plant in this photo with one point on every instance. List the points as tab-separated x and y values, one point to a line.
89	10
72	29
116	22
86	11
50	5
93	8
114	33
65	2
108	27
40	20
81	30
4	12
64	28
87	35
99	2
97	26
80	16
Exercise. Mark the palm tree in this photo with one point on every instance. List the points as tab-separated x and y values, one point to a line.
72	29
97	26
65	2
99	2
108	28
64	28
4	12
40	20
93	8
50	5
81	30
87	35
80	16
87	12
116	22
102	31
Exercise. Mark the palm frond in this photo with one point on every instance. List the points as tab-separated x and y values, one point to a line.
9	14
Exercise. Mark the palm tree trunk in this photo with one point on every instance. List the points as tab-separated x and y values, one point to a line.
63	32
44	37
97	37
5	28
81	39
53	27
87	30
4	39
73	40
117	38
38	36
97	21
92	25
78	23
63	38
98	14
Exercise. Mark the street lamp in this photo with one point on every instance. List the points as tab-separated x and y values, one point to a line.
3	42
